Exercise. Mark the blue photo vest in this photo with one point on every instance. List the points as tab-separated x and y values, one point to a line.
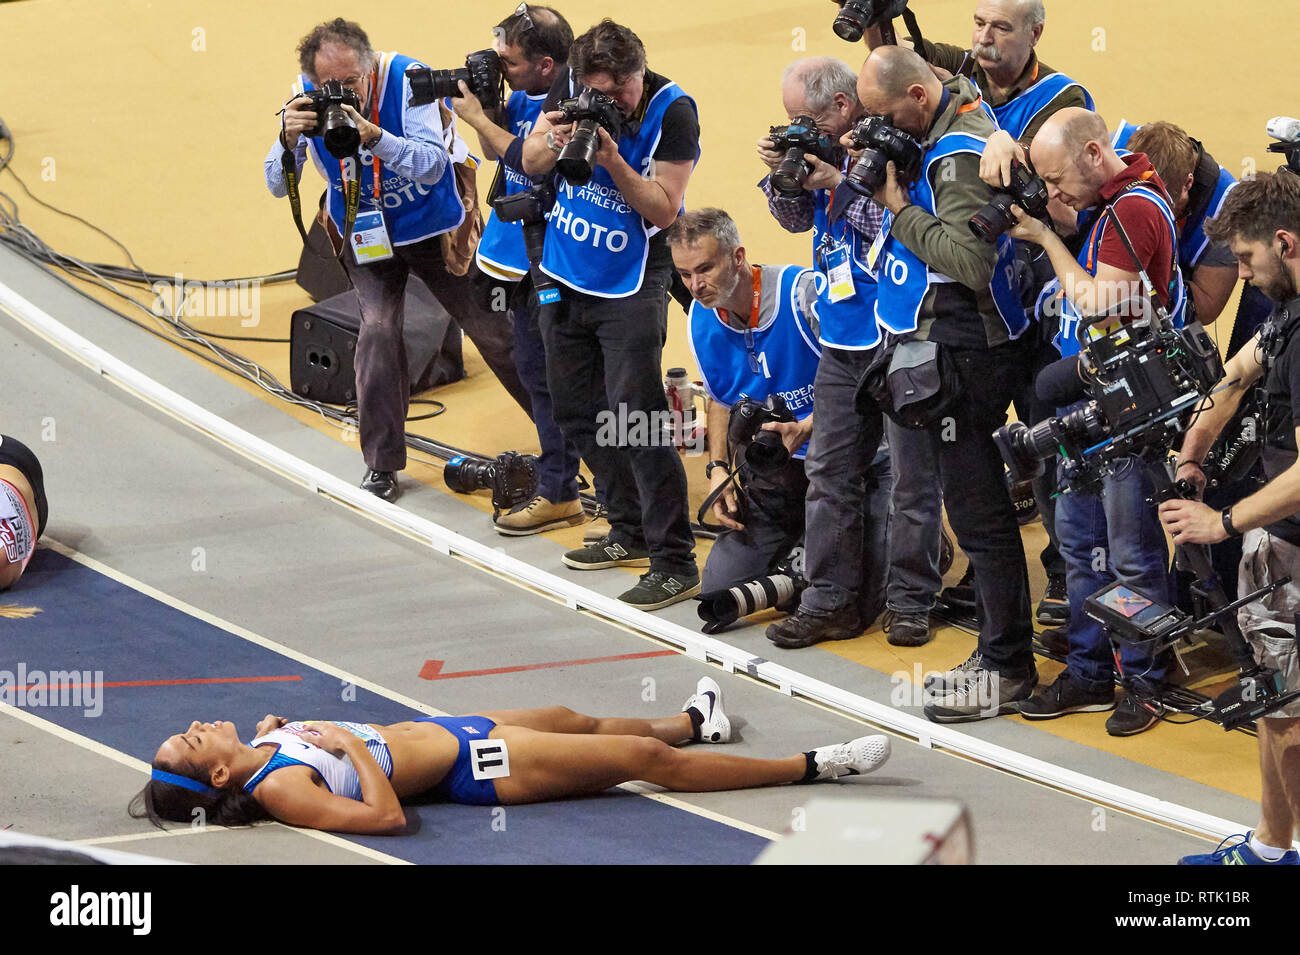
850	323
784	349
1192	241
595	241
1019	114
1053	298
412	211
905	279
501	249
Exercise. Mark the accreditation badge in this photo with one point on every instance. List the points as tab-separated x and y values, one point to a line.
839	274
369	238
873	254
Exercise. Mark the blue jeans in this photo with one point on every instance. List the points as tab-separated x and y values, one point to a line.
1116	537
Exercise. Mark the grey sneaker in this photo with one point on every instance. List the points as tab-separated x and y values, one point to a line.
985	694
606	553
949	680
657	589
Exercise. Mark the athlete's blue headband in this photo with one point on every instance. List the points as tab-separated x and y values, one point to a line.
183	781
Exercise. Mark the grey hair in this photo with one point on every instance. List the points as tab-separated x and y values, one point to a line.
823	77
691	226
340	31
1034	11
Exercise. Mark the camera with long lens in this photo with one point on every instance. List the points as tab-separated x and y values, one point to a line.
764	451
530	209
512	477
590	110
799	137
332	124
1287	133
1026	190
881	142
857	16
1146	378
780	589
481	73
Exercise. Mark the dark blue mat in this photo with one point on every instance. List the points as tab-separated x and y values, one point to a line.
89	622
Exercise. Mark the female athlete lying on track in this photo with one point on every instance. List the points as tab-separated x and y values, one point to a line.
351	777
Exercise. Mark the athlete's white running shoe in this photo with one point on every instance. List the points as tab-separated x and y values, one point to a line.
854	758
707	701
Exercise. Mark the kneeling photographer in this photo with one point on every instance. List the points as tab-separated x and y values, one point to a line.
1130	252
1260	219
755	342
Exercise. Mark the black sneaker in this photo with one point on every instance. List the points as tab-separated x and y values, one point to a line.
907	629
1054	642
606	553
1067	695
961	596
803	629
1054	609
657	589
382	484
1134	715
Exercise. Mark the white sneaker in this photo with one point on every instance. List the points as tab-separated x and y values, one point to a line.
854	758
716	728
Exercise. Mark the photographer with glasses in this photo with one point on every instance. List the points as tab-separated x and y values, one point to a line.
625	140
409	200
754	336
533	48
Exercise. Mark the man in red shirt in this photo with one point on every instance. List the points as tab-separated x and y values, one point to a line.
1073	154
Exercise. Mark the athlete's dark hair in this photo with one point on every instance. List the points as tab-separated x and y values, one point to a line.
538	32
340	31
607	48
1257	208
161	802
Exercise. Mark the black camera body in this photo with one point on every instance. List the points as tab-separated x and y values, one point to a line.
332	124
765	452
801	136
1026	190
512	477
1147	378
881	142
856	16
590	110
481	73
530	209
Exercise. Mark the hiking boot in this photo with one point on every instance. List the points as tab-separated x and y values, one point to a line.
802	629
985	694
903	629
539	515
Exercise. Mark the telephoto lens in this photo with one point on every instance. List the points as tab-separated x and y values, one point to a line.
577	160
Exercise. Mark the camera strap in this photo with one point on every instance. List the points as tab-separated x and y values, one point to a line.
1142	273
351	192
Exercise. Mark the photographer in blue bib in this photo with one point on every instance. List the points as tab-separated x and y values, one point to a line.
753	332
625	140
1022	92
409	200
846	555
1131	242
533	46
962	328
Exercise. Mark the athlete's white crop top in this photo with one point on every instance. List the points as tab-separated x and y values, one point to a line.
294	747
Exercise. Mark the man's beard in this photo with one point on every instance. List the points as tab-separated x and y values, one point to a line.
1281	288
991	53
727	289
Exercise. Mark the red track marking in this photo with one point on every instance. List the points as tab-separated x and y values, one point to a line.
432	669
215	679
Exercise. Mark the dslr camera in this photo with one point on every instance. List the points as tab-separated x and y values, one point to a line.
590	110
856	16
801	136
881	142
530	209
765	452
512	477
332	124
1026	191
482	74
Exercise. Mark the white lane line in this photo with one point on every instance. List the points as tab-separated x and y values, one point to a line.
117	756
579	598
306	659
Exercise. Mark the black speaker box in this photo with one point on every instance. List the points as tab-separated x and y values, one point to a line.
323	344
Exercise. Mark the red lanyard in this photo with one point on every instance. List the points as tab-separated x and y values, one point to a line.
374	118
758	296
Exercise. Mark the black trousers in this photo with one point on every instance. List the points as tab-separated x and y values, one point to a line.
383	385
604	369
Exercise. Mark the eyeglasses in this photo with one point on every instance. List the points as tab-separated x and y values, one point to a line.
522	11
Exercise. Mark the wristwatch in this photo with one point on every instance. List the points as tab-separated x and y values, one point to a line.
371	143
1227	523
708	470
